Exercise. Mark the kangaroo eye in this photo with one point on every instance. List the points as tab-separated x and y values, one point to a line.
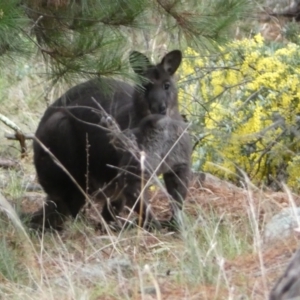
166	85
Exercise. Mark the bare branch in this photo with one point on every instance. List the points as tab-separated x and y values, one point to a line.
19	135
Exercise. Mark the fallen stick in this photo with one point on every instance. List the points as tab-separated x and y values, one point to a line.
19	135
12	136
7	163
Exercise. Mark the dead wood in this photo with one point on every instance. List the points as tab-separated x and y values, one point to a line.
19	135
7	163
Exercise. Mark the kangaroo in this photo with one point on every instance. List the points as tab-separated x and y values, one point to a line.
71	130
167	150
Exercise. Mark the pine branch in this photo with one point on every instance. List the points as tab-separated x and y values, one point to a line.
88	38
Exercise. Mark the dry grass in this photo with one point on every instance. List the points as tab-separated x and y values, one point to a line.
213	257
218	254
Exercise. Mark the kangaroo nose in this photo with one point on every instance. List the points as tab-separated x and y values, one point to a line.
163	109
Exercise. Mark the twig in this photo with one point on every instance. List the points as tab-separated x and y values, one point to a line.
7	163
19	135
27	136
143	157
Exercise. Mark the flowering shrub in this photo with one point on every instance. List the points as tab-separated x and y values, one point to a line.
244	104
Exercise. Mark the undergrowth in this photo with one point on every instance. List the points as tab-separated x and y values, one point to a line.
81	262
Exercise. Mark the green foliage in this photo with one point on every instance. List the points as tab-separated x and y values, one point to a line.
12	22
9	267
87	38
208	240
248	100
291	32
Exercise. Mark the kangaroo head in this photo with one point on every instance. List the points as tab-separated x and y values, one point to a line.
157	93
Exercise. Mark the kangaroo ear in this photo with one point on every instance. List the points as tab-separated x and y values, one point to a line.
171	61
139	62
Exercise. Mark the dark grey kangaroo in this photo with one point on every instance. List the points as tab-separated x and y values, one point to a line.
70	130
167	150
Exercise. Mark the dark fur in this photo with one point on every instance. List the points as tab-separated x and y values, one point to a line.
167	149
71	123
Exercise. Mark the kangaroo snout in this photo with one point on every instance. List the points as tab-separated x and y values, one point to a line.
162	109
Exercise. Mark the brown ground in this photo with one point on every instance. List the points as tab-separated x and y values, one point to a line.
254	273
